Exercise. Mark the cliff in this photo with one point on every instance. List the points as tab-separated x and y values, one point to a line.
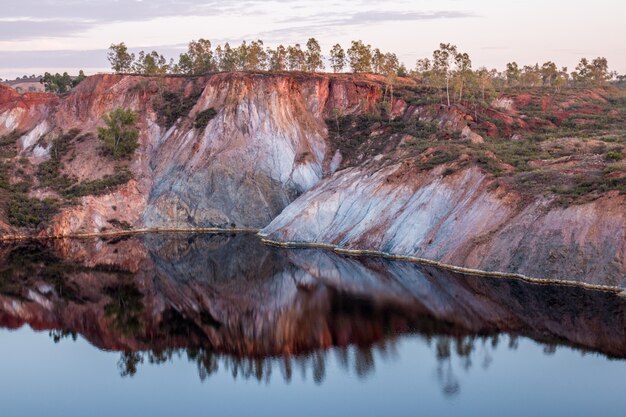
531	183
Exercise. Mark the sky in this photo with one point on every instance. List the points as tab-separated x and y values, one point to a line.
67	35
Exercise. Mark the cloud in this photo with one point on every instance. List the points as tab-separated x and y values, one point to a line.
103	11
391	16
320	23
378	16
32	19
24	29
92	58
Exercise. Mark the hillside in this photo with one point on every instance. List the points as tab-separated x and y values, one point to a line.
533	182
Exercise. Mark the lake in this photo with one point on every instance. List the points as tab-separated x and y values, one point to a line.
215	324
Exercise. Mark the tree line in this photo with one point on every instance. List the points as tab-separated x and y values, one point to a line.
447	68
202	58
451	70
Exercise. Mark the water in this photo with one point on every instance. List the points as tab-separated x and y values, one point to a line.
166	325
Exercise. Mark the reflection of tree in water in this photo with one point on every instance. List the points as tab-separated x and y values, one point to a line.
204	321
450	352
464	350
58	335
128	363
358	360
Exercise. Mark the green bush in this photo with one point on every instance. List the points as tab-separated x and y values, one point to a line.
49	172
100	186
204	117
613	156
24	211
8	148
171	106
9	139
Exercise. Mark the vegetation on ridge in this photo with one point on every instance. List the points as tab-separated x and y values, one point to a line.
572	149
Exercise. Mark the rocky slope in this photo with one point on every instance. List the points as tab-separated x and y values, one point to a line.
532	183
463	219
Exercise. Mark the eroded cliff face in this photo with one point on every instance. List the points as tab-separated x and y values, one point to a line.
265	146
318	159
463	219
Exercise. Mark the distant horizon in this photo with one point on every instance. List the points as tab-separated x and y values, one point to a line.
63	35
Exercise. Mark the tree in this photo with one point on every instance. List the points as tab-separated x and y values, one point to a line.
337	58
600	70
484	81
531	75
256	57
313	56
228	59
296	58
402	71
81	77
277	58
513	73
443	61
241	56
549	73
150	64
198	59
378	61
360	57
119	137
463	65
596	71
119	57
389	68
185	65
423	66
57	83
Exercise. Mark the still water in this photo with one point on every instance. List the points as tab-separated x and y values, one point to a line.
173	325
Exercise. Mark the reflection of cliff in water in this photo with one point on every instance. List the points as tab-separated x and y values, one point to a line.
233	303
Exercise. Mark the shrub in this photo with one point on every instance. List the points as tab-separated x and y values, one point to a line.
24	211
8	143
439	157
124	225
99	186
49	172
119	137
204	117
171	106
613	156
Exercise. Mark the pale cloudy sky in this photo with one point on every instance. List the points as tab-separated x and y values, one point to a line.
58	35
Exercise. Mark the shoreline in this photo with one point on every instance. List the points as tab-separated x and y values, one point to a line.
330	247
